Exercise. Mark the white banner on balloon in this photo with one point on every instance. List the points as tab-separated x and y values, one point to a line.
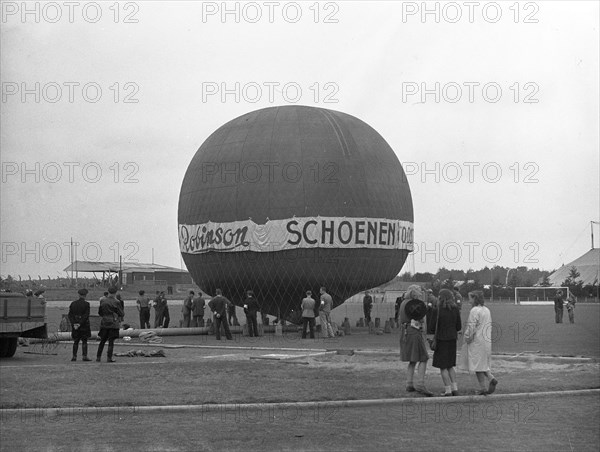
293	233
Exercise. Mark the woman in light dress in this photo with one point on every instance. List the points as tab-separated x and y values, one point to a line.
476	353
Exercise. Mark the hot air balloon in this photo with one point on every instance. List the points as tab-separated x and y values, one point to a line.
286	199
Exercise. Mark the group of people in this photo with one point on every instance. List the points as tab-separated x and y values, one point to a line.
161	309
193	310
221	308
111	313
445	324
309	313
559	307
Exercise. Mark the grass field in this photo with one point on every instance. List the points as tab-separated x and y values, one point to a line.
228	375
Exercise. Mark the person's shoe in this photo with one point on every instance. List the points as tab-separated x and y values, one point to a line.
454	393
482	392
446	394
110	360
74	358
85	358
423	390
97	359
492	386
410	388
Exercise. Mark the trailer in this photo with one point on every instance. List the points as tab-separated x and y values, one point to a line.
20	316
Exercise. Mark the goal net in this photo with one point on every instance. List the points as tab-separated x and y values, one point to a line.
538	295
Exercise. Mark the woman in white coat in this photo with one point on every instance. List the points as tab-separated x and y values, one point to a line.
476	356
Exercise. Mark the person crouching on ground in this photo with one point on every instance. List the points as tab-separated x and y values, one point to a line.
111	313
447	324
308	315
477	355
412	338
218	305
79	316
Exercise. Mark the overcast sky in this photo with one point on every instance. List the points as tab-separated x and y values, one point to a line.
491	108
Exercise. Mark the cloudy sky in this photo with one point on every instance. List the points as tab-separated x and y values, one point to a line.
492	109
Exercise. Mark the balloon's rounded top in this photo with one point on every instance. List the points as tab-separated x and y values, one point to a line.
287	161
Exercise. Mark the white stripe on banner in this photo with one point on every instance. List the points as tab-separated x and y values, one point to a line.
292	233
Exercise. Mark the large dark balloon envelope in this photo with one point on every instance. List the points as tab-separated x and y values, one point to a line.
287	199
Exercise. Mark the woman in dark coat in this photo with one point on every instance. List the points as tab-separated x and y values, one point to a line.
446	316
111	313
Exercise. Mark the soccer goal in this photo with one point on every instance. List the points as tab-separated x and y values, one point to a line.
538	295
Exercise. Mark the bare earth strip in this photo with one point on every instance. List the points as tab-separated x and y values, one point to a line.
548	424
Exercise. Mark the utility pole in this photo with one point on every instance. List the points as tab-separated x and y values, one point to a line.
492	284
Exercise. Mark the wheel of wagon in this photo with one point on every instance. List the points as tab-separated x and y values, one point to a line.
3	347
12	346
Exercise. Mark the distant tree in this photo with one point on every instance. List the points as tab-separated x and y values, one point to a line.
571	282
574	273
424	277
545	281
514	280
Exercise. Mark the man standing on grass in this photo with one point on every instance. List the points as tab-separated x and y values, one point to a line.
324	313
198	311
143	307
251	308
308	315
367	306
559	306
79	316
571	300
218	305
186	310
111	313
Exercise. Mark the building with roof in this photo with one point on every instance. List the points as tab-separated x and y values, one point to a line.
588	266
134	273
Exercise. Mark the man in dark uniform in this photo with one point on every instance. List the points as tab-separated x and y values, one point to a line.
111	313
218	305
251	308
367	306
79	316
161	311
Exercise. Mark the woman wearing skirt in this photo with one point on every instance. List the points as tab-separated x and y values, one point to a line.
446	316
412	339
